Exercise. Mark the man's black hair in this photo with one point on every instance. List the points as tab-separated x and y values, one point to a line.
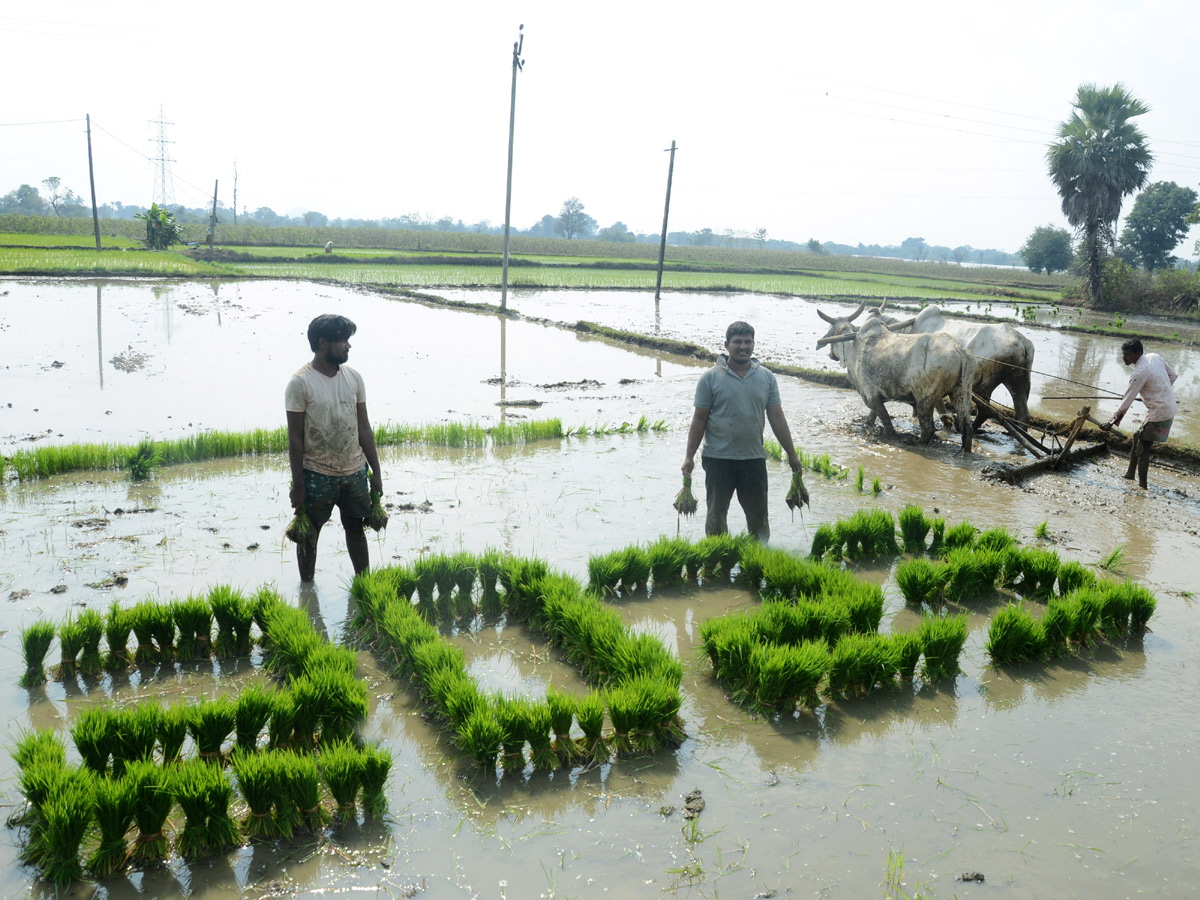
739	327
1133	345
331	327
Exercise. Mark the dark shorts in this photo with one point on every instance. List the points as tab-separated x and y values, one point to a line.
745	477
1156	431
349	493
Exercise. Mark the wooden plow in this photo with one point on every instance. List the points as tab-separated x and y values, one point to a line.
1059	453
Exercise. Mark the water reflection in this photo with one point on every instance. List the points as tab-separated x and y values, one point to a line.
99	337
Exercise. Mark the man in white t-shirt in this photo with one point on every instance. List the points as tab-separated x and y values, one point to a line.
330	442
1152	379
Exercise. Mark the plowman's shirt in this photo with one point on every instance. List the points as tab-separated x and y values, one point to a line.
1152	377
330	407
736	409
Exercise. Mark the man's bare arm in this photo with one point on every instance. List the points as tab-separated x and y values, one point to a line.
366	440
295	425
695	436
783	434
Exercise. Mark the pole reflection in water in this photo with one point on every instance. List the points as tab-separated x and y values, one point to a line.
99	339
503	367
657	328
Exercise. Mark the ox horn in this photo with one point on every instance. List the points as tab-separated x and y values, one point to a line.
855	314
828	319
835	339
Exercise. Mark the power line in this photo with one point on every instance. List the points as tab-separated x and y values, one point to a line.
47	122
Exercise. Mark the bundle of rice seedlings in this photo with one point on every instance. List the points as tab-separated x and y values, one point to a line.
90	732
117	626
226	603
938	527
490	564
604	572
858	663
443	567
39	746
1116	604
481	736
960	535
150	811
876	486
718	554
282	720
728	642
1040	570
161	623
1056	626
454	694
253	709
825	542
654	707
642	654
258	781
685	501
193	617
66	816
70	642
172	730
141	620
292	642
190	783
342	702
834	619
859	478
135	731
538	727
851	536
797	495
210	724
1014	636
622	702
520	577
863	604
91	629
35	644
921	581
465	571
301	529
970	574
995	539
511	715
914	528
341	769
425	571
636	569
905	648
789	623
114	800
266	601
39	778
667	558
880	534
143	461
304	782
590	714
942	640
1142	604
376	765
306	713
562	715
753	560
1073	575
377	518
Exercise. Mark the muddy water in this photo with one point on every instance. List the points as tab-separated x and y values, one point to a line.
1068	780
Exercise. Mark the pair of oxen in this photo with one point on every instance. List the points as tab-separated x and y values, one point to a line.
927	358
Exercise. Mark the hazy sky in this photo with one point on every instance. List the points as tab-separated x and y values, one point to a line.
850	122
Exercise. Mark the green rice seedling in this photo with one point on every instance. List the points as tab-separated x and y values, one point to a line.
117	626
728	642
481	736
425	570
806	664
432	655
376	765
1142	605
685	501
876	486
604	572
590	714
141	620
301	530
511	714
1014	636
969	574
282	720
252	710
797	495
490	564
221	832
266	601
774	450
753	561
150	811
210	725
880	533
642	654
455	694
161	622
622	703
914	528
466	570
39	779
70	642
1114	601
770	673
193	617
851	536
172	730
66	816
921	581
377	519
135	733
90	732
538	729
341	769
942	640
39	746
292	641
303	779
636	569
835	620
371	590
35	644
905	647
938	527
562	715
864	606
520	578
443	574
858	663
1083	611
114	800
961	535
306	713
859	478
788	623
1040	572
190	783
997	539
142	462
668	558
644	712
226	602
1114	561
1042	532
825	542
259	783
1056	626
1074	575
91	629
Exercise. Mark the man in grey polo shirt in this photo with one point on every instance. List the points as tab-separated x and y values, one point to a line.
733	399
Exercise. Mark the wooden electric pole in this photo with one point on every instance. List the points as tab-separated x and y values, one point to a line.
92	179
212	219
662	244
517	65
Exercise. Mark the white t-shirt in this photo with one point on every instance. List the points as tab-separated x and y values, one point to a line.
1152	377
330	407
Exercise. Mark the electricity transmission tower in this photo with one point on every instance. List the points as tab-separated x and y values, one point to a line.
164	184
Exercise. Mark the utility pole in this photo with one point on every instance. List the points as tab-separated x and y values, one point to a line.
212	219
517	65
92	179
662	245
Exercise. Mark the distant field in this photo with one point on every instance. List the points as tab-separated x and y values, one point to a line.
64	240
22	261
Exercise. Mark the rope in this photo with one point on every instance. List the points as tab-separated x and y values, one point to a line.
1004	362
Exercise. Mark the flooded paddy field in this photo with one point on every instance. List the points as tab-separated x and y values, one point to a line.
1071	779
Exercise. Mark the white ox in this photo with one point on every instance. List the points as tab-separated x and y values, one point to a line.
1003	356
919	369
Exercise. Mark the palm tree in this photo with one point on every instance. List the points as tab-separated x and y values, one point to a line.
1100	156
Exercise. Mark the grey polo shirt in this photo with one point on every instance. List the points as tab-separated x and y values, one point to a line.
736	409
